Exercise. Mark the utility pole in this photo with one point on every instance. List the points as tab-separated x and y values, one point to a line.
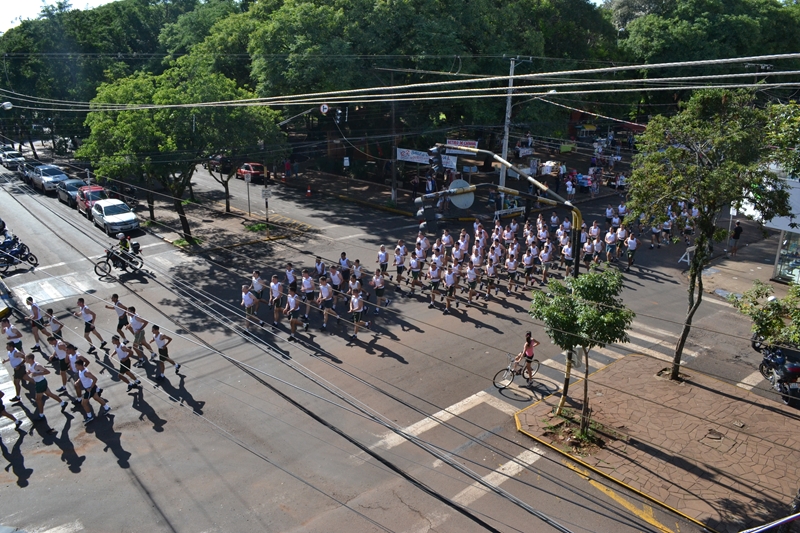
394	150
506	130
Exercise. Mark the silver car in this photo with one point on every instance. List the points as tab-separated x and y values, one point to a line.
46	178
114	216
12	160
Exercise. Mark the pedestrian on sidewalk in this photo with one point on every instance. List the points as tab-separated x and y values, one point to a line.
527	353
89	317
37	373
733	243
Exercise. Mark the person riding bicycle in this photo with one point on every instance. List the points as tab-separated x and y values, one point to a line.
527	352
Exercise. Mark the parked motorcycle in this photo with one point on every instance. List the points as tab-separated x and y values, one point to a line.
782	374
121	259
15	256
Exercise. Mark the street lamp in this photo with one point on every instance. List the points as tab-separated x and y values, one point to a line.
7	105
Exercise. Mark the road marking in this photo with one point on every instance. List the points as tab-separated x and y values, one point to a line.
93	258
351	236
390	439
73	527
509	469
751	381
645	513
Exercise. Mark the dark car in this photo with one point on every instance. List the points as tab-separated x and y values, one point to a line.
220	163
253	171
67	191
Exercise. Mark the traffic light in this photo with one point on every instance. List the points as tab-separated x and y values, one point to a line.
436	159
338	116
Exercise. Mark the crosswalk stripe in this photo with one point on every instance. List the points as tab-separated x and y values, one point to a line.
509	469
751	380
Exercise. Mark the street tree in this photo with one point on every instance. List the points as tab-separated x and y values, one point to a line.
584	312
776	321
712	154
168	140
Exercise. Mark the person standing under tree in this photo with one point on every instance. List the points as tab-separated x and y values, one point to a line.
733	243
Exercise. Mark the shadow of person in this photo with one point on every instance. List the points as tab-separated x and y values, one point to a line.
16	461
103	429
68	453
182	394
147	411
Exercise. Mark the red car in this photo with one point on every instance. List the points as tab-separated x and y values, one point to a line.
256	171
86	198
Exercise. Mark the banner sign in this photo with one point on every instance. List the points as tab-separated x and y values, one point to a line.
525	151
413	156
456	142
513	210
450	161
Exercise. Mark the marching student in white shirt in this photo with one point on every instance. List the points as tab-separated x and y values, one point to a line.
257	286
292	310
319	267
162	341
37	373
325	301
89	386
136	326
383	259
357	310
122	316
59	360
450	283
275	297
124	354
527	263
307	286
88	317
249	302
511	269
380	288
472	281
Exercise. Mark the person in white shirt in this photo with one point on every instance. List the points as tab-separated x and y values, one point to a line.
55	324
37	373
17	360
136	326
357	310
545	257
37	322
122	316
13	335
59	360
89	317
511	269
527	264
344	266
400	264
383	259
319	266
291	279
472	281
633	243
569	259
249	302
257	286
292	310
611	245
124	353
588	249
447	241
275	297
622	237
450	284
162	341
325	301
90	391
307	286
380	288
435	275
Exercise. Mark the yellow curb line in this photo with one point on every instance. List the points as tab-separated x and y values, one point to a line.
597	471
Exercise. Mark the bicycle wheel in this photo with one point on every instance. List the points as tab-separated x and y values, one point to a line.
503	378
534	369
102	269
32	259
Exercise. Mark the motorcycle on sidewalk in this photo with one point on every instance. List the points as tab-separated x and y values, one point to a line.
120	259
782	374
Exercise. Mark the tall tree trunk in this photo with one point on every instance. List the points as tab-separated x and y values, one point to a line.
566	383
585	411
187	231
226	186
30	142
695	286
150	205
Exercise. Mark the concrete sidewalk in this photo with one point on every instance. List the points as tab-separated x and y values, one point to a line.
721	456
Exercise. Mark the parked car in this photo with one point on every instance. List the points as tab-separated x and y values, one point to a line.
86	198
67	191
114	216
254	170
47	177
12	160
219	163
28	168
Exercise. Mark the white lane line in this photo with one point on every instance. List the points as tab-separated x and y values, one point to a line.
73	527
93	258
351	236
509	469
751	381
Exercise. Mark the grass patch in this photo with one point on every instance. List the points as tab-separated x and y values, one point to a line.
147	223
258	226
190	201
183	242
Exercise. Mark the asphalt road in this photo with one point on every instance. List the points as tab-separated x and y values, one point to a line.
257	433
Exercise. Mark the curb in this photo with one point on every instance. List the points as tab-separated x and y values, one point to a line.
595	470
